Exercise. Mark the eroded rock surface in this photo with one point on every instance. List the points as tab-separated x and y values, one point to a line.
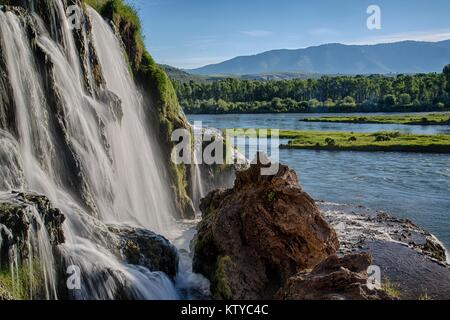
30	234
19	213
410	258
148	249
258	234
335	278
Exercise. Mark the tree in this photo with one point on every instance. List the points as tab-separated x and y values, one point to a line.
349	102
339	93
404	99
446	73
390	100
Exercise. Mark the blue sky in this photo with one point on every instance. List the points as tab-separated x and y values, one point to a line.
193	33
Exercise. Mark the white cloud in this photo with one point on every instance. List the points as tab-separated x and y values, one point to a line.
430	36
257	33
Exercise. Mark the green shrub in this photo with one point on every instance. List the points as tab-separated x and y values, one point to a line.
330	142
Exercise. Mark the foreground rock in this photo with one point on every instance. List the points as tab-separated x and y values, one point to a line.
30	233
410	258
334	279
146	248
20	213
258	234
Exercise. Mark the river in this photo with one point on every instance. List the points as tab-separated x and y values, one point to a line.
406	185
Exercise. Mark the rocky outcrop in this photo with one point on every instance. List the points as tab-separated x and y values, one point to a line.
146	248
334	279
16	220
30	234
410	258
258	234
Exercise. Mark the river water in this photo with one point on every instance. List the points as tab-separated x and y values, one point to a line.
406	185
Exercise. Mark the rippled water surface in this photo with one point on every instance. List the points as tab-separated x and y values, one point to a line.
407	185
292	121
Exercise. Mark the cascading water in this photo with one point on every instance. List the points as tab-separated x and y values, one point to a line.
93	157
197	185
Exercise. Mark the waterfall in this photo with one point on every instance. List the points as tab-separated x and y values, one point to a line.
197	184
92	154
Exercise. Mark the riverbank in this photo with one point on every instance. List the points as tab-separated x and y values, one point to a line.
388	141
412	261
407	119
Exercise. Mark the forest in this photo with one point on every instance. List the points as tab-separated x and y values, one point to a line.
371	93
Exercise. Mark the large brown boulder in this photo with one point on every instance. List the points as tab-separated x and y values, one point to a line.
258	234
335	278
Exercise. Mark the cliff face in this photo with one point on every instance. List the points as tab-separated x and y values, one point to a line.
161	106
163	110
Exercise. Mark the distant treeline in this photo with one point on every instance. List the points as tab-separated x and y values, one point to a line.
420	92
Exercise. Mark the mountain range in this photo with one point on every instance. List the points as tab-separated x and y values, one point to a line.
334	58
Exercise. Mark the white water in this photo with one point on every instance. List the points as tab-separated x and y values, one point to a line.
123	180
39	251
197	185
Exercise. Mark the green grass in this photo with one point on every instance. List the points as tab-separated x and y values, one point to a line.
379	141
350	141
96	4
425	297
427	119
19	289
223	290
391	288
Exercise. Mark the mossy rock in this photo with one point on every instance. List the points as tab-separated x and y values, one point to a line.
28	283
222	289
145	248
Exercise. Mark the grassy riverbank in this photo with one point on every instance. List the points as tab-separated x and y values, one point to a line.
351	141
379	141
408	119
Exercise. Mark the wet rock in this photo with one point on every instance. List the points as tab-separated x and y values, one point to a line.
16	221
434	249
30	234
409	257
146	248
258	234
334	279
